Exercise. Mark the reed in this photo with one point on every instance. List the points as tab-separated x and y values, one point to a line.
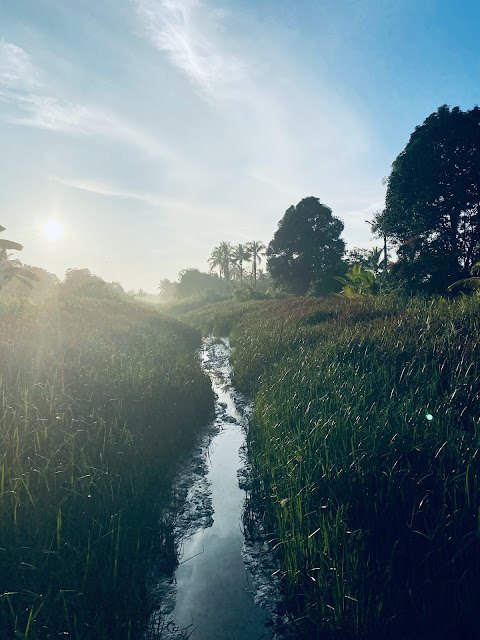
365	448
97	398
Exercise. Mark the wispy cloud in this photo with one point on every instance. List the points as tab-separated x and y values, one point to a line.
181	28
16	69
20	87
55	114
102	189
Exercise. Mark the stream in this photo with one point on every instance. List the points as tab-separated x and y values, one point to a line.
225	586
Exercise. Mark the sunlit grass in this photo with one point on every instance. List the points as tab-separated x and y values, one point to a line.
96	400
365	445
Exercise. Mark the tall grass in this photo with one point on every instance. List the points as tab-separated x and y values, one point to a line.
96	399
365	446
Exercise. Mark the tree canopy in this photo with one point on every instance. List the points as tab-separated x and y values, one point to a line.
432	201
191	282
307	248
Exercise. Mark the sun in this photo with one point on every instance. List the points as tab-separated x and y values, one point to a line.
53	230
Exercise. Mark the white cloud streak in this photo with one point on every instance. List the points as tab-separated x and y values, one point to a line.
16	69
102	189
180	29
20	87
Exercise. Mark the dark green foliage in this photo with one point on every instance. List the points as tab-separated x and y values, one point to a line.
307	247
432	202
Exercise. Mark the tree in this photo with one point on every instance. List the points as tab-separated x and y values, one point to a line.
472	283
10	269
433	198
257	250
241	254
307	248
83	283
167	289
191	282
223	258
227	259
368	259
216	260
358	282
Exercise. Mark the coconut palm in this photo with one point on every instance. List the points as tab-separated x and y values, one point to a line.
241	254
226	253
216	260
257	249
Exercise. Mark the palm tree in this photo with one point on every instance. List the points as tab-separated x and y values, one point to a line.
241	254
216	260
226	253
373	260
257	249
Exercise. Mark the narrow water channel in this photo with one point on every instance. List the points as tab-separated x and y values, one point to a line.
213	595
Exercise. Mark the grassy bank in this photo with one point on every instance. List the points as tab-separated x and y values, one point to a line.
97	399
365	445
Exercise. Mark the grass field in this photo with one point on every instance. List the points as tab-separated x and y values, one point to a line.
365	446
97	398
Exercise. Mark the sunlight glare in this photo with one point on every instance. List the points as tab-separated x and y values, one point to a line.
53	230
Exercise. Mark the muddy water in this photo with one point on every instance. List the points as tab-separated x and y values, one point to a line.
223	588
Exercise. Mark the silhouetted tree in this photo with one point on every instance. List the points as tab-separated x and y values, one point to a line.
83	283
433	198
307	248
192	282
226	252
216	260
257	250
167	289
241	254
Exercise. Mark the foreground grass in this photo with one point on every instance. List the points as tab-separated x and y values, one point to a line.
365	446
97	399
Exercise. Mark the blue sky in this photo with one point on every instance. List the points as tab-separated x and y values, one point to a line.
155	129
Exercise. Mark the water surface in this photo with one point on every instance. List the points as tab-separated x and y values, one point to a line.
212	595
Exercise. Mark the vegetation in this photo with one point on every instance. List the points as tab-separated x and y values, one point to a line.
368	259
256	250
97	399
364	438
433	199
241	254
13	269
364	442
307	248
358	282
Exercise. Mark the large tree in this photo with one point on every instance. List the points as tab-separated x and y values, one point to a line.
432	202
307	248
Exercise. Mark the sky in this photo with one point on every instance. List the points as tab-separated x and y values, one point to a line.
153	130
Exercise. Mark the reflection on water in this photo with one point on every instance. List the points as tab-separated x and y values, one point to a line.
212	593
